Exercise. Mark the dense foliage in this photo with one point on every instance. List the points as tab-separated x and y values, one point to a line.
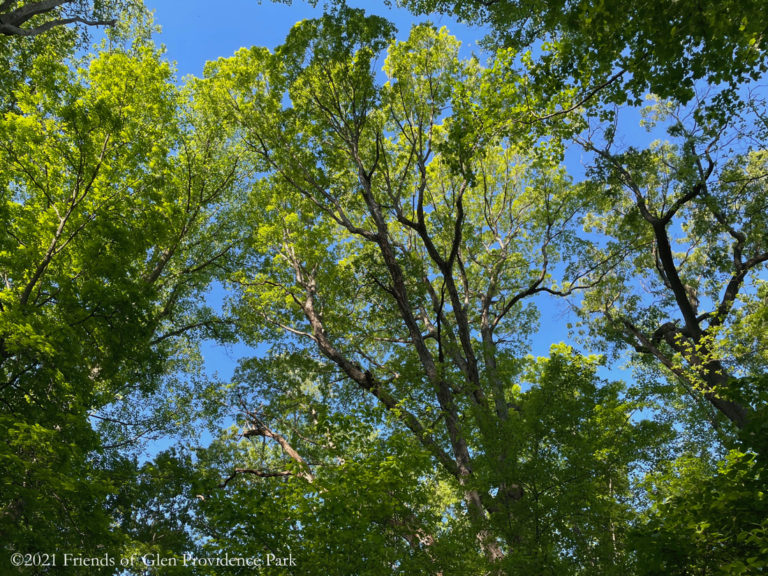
35	18
112	200
391	222
625	48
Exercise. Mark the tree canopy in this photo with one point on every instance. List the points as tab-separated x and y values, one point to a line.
19	18
392	224
625	49
113	199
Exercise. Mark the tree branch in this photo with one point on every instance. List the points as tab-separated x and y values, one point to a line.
261	474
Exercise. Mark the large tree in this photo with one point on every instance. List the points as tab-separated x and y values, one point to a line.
690	213
111	200
689	301
401	232
397	239
690	209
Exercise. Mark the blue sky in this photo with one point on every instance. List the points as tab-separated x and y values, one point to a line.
195	33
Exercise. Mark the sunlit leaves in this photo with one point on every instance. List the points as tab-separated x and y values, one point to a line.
113	226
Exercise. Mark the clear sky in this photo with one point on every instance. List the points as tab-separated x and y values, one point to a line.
196	31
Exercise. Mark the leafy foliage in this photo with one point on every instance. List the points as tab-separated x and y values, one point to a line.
111	201
705	518
390	220
33	18
396	239
630	48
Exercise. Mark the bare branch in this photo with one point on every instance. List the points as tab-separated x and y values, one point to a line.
260	473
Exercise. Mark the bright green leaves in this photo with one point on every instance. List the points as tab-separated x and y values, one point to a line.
395	236
681	215
329	63
75	167
113	200
661	48
415	145
50	493
575	445
426	78
373	495
385	213
705	517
